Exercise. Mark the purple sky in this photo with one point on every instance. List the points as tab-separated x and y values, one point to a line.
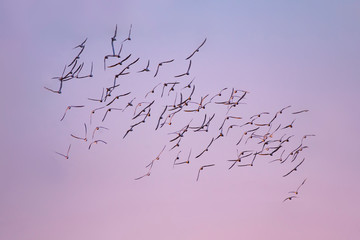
304	54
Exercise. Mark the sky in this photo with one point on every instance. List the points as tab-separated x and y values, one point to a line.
300	53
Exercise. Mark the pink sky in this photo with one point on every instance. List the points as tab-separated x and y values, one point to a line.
304	54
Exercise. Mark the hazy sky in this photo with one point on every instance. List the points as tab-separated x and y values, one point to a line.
300	53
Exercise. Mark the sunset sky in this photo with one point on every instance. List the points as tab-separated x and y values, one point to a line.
300	53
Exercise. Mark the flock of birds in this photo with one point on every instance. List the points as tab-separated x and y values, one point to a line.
262	136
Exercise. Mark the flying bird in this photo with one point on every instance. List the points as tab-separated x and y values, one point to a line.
117	97
230	127
187	161
82	45
281	111
97	129
112	55
197	50
166	84
176	145
109	110
54	91
128	131
177	158
189	85
61	79
98	100
161	117
278	159
202	168
129	104
206	149
113	39
93	112
157	158
290	125
143	110
294	169
129	36
259	115
146	175
84	138
139	105
67	153
219	94
187	72
227	118
91	72
146	69
121	62
306	136
297	190
152	90
160	64
290	198
300	111
239	158
68	108
96	142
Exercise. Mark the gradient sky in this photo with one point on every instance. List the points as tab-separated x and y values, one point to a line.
300	53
